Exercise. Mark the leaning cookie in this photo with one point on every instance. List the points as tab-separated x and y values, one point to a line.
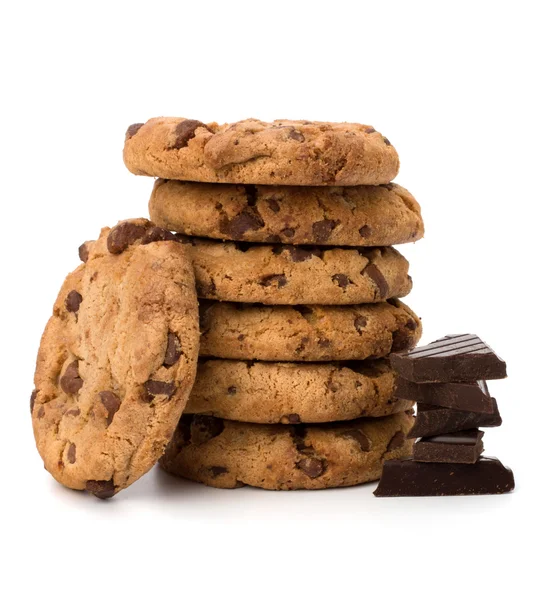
337	216
117	359
226	454
306	333
277	274
252	151
274	392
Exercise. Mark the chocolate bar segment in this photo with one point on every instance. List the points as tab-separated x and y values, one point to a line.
459	447
434	420
406	477
473	397
452	358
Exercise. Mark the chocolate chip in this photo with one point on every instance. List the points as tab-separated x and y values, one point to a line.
386	141
158	388
33	400
288	232
324	342
396	441
158	234
273	205
173	350
41	412
83	252
365	231
342	280
185	131
359	323
73	412
359	437
71	453
377	277
278	278
184	239
133	129
101	489
370	130
122	235
70	382
73	301
241	337
313	467
323	229
411	324
248	219
293	418
296	135
231	390
273	239
299	254
111	402
204	428
215	471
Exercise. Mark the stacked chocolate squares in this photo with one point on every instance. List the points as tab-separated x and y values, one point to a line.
447	379
290	226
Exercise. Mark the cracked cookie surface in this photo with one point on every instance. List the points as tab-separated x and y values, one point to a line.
287	392
278	274
226	454
341	216
117	359
306	333
252	151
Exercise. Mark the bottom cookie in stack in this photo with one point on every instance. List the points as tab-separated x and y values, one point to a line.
230	454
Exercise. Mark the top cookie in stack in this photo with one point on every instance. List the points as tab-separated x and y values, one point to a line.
294	213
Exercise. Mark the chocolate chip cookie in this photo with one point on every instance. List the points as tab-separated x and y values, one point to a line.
306	333
251	151
226	454
117	359
338	216
274	392
278	274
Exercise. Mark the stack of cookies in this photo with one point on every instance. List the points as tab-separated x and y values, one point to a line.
290	226
253	351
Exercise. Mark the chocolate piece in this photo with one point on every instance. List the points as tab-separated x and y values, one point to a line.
452	358
71	382
173	350
123	235
472	397
459	447
133	129
73	301
406	477
101	489
313	467
185	131
433	420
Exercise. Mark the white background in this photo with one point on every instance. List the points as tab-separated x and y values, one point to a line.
454	85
